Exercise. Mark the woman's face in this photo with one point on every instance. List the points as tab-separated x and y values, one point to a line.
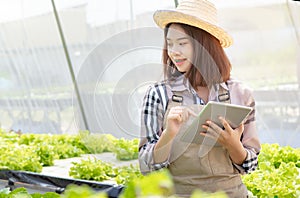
180	48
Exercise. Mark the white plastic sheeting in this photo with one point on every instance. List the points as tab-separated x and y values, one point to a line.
115	51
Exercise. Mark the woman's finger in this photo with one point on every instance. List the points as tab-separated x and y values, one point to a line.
191	112
225	124
208	135
240	129
182	113
212	131
174	116
213	125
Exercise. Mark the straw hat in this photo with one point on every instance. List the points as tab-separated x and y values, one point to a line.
198	13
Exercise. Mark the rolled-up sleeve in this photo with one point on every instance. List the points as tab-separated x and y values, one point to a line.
151	128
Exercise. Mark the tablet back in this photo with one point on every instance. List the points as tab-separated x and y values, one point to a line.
234	114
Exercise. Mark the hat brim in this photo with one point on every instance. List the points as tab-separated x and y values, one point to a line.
164	17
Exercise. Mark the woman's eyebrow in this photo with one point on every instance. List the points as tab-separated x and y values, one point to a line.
178	39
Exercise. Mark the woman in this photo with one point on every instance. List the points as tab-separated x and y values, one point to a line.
197	70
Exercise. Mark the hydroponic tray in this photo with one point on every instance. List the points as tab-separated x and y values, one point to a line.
35	182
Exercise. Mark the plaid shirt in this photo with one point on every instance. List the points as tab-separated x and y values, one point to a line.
155	106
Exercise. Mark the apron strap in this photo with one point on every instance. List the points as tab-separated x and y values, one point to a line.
223	94
174	99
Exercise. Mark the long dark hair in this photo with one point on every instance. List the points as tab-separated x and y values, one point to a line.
210	64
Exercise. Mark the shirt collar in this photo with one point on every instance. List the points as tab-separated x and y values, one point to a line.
180	83
224	86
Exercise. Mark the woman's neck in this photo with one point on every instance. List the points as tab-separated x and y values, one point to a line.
203	93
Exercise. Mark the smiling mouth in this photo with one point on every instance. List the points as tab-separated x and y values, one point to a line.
179	60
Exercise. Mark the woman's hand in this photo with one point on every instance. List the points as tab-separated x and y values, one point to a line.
228	137
176	117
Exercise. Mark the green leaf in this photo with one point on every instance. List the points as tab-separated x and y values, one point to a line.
277	174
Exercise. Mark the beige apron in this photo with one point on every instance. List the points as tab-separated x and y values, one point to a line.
205	167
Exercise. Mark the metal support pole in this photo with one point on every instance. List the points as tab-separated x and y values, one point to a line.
70	65
297	34
176	3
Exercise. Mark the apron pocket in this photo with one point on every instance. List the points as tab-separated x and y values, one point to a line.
220	161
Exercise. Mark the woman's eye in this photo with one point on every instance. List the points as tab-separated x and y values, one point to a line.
182	43
169	44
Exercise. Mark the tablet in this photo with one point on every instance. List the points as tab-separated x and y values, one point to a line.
234	114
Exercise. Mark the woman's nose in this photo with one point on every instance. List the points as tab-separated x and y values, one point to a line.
175	50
